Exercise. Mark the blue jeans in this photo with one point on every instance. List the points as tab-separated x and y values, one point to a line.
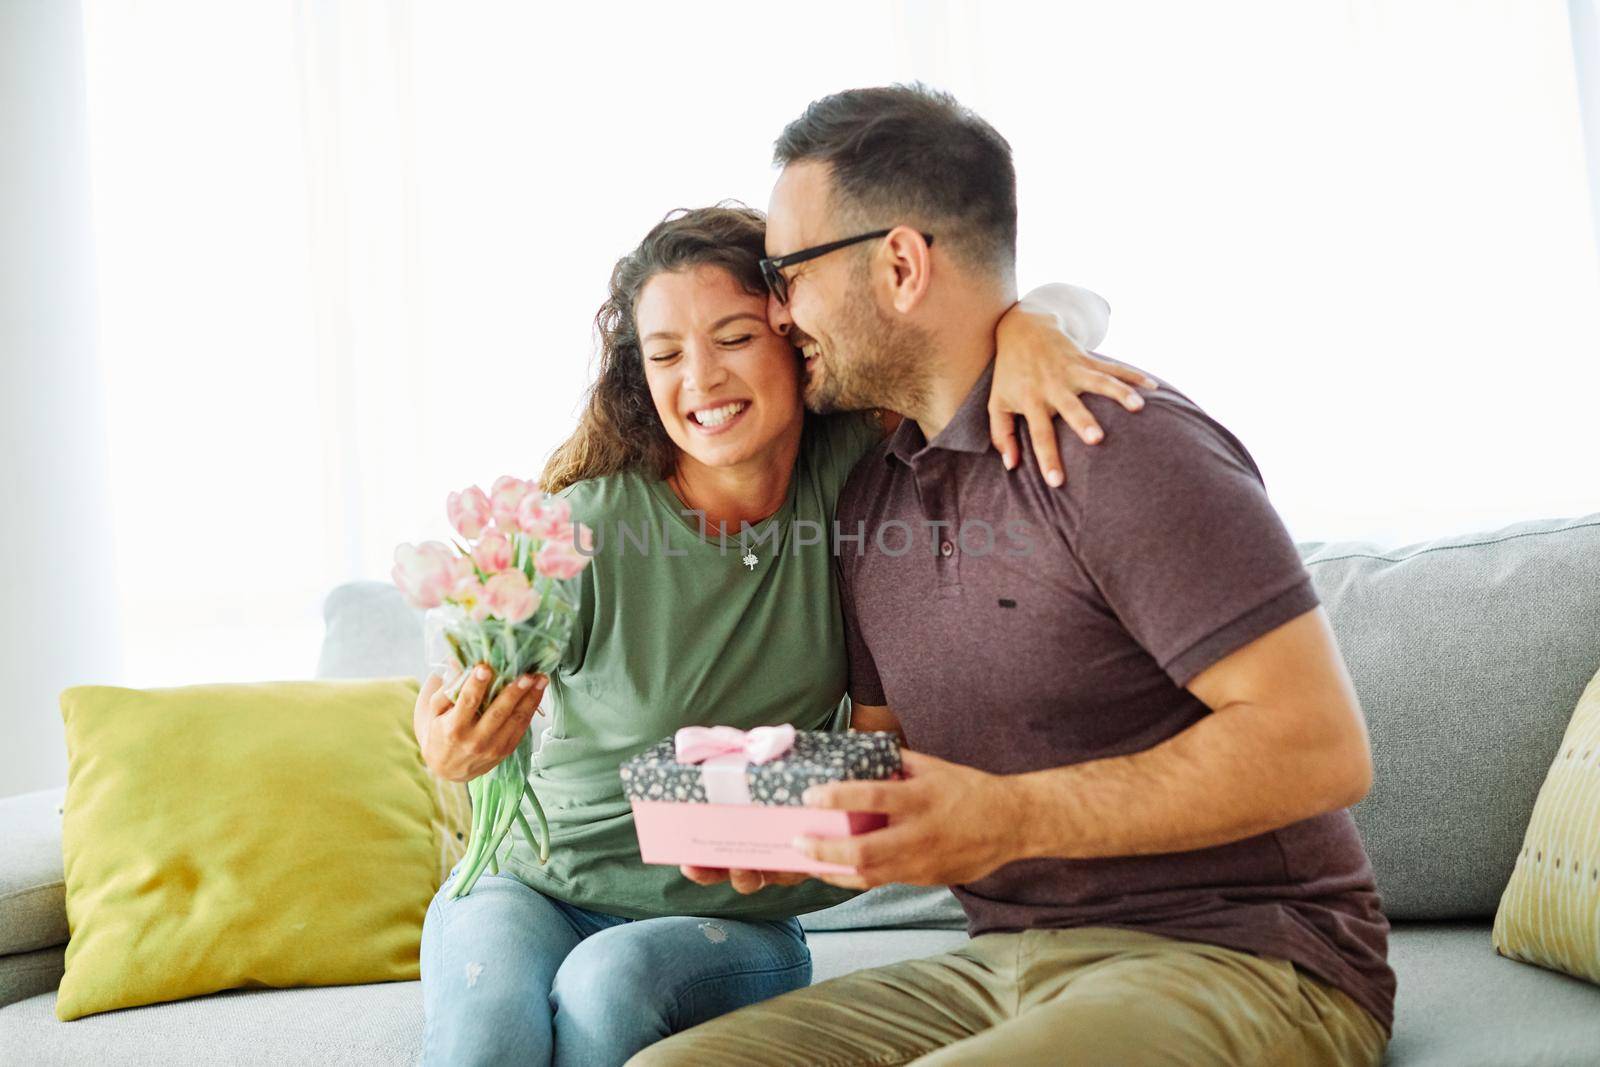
510	975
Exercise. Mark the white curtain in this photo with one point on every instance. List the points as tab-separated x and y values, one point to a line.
353	65
1585	16
60	625
349	251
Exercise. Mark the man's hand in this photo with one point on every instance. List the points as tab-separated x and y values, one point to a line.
746	882
947	826
862	717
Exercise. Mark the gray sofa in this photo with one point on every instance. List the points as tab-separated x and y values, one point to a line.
1469	654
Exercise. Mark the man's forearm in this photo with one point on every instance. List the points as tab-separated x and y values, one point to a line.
1238	772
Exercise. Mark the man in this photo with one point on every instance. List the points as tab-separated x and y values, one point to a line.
1131	737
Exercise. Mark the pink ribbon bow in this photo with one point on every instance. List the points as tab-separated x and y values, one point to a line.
724	752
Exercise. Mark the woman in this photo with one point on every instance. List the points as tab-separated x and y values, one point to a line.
695	425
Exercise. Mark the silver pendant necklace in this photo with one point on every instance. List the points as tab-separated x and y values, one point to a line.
749	559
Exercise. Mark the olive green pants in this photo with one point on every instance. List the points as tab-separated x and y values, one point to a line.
1086	996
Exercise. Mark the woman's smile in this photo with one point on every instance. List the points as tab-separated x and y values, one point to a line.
720	418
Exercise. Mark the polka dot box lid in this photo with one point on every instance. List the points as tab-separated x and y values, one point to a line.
817	757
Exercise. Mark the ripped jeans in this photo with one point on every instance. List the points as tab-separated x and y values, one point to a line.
510	975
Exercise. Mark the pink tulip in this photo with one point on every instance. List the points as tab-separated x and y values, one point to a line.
504	497
493	552
543	516
469	511
471	595
510	597
560	558
425	573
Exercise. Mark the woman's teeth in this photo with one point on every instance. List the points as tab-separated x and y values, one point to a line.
717	416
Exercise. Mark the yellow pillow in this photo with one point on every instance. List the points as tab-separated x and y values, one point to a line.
254	835
1550	912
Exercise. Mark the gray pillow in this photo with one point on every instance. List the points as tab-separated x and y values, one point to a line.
1469	654
371	632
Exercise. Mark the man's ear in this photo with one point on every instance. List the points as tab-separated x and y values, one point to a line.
907	267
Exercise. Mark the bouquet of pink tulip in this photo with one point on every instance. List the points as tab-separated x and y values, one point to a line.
506	598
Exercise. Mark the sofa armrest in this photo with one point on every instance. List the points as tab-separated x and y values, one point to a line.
33	896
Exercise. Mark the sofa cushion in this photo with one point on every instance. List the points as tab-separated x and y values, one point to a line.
1468	654
1550	913
840	952
217	836
353	1026
33	909
1461	1005
370	632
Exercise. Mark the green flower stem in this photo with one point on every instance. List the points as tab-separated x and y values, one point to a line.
527	834
477	789
544	827
503	814
542	846
480	854
491	789
480	814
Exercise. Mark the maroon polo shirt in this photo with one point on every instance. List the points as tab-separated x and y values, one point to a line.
1013	627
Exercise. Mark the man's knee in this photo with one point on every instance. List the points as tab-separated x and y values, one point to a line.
712	1044
663	1054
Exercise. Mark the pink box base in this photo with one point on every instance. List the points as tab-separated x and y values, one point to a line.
753	837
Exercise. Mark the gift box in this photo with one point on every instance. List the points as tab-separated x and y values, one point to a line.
722	797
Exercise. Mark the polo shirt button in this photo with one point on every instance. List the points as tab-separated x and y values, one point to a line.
946	548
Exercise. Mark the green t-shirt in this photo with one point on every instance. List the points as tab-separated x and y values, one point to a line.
694	637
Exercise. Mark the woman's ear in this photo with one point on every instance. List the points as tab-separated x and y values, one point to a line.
907	264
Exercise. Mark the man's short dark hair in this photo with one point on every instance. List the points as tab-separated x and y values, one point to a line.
911	155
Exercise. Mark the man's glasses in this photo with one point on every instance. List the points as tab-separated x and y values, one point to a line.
772	269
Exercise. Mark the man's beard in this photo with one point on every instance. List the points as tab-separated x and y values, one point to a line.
885	368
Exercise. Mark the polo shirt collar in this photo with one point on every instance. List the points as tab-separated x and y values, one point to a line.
967	431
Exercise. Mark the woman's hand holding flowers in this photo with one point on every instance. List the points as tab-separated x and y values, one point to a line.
458	744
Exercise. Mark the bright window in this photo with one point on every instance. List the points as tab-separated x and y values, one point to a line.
349	253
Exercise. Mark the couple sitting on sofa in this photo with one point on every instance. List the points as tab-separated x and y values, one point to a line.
1131	738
